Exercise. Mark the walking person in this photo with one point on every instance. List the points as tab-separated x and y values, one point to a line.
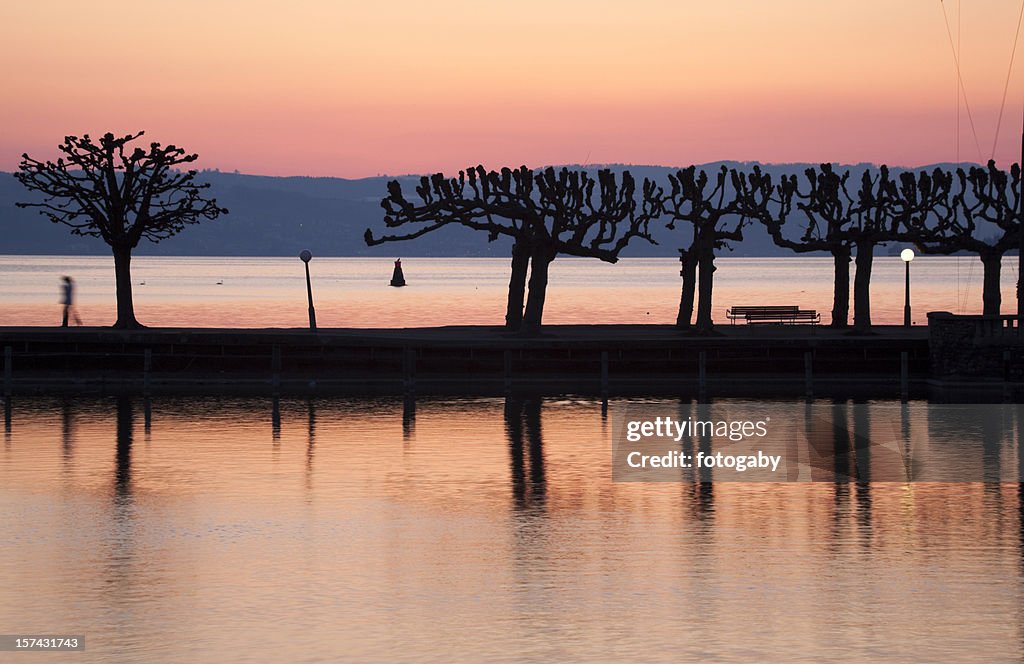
68	300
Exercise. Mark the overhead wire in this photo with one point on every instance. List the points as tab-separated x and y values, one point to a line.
1006	87
960	79
955	48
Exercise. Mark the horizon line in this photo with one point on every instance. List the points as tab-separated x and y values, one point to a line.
623	165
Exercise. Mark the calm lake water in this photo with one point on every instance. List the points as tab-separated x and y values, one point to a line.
223	530
353	292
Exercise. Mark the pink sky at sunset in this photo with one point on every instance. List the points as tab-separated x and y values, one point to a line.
356	89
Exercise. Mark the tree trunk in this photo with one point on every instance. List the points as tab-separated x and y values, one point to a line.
689	275
123	284
540	260
990	294
706	266
862	287
517	286
841	290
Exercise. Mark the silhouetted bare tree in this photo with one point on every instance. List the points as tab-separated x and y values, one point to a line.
546	213
105	189
947	222
827	209
873	221
843	225
708	210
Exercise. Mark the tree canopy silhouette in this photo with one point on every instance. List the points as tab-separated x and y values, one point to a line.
947	222
827	208
107	190
546	213
717	212
845	225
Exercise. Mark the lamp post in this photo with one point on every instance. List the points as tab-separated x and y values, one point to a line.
907	255
306	256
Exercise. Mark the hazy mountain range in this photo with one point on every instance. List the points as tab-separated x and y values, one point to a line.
280	216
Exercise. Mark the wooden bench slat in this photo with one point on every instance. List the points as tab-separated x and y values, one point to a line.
783	314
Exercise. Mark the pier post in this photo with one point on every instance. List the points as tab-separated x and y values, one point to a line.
147	366
275	369
809	373
604	374
904	377
702	371
7	416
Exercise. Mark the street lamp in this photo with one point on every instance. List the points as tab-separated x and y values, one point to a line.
907	255
306	256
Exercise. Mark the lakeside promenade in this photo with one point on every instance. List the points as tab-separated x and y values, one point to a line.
586	359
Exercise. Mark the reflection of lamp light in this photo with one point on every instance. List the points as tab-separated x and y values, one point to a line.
907	255
306	256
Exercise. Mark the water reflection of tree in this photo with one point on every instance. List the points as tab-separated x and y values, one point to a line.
525	441
126	570
123	457
862	459
698	487
704	487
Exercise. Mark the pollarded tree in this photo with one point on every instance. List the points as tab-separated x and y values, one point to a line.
576	215
875	218
477	199
843	225
946	224
546	213
107	190
825	208
717	215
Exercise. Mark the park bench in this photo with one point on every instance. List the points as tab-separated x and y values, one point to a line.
781	315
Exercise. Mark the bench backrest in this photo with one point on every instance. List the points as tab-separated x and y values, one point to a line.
744	311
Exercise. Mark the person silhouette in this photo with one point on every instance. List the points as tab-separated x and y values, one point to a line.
68	300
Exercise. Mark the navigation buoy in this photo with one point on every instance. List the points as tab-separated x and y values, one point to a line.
397	278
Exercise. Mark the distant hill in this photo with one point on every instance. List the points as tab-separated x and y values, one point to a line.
280	216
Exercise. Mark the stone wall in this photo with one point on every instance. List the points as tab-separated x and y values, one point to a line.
975	347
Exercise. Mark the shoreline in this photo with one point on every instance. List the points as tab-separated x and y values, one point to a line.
480	360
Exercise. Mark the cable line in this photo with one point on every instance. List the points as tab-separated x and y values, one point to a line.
960	79
1006	87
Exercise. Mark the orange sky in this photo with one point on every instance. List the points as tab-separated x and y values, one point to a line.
352	89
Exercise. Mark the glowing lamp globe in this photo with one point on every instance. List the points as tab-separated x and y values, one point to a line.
907	255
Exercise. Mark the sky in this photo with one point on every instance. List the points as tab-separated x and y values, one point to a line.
357	89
